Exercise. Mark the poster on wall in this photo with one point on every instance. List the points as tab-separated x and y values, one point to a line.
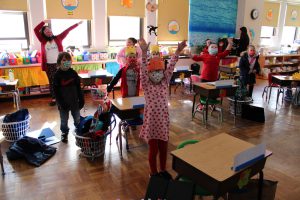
173	27
127	3
210	20
70	5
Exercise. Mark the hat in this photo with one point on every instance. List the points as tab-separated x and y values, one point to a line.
155	64
130	50
154	49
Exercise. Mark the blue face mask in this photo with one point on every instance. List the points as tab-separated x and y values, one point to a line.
212	51
66	65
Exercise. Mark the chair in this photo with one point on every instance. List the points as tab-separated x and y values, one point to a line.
201	108
127	125
198	190
195	67
268	88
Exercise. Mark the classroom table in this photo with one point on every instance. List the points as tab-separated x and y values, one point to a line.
180	74
11	88
283	81
126	109
208	164
211	92
89	79
229	69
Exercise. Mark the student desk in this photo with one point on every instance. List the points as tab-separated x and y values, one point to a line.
229	69
11	88
208	163
126	109
210	92
283	81
180	74
89	79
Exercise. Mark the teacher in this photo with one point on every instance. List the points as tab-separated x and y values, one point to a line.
51	46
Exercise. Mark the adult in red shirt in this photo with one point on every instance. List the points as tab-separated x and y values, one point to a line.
51	46
211	61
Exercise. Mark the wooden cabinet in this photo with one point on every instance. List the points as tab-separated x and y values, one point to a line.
281	64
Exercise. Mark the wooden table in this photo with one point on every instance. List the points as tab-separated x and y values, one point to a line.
211	92
208	163
126	109
230	69
12	88
89	79
177	74
283	81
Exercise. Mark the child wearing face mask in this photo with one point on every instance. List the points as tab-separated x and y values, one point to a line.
249	67
155	83
211	61
121	56
129	75
66	85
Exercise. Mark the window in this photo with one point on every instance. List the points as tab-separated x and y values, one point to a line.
14	31
120	28
83	30
266	35
298	36
288	35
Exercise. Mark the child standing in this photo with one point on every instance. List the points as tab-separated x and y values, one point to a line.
249	67
68	93
129	75
211	61
155	130
121	56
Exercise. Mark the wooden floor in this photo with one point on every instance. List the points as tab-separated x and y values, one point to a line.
68	176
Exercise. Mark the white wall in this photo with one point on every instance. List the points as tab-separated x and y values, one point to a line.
244	18
99	25
35	16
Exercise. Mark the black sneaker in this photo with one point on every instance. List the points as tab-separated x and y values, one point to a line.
64	137
156	175
166	175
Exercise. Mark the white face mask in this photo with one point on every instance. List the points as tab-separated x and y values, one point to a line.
156	76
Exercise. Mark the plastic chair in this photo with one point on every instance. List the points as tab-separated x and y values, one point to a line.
268	88
201	108
128	124
198	190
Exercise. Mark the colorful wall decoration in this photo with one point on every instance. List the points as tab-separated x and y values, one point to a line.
208	20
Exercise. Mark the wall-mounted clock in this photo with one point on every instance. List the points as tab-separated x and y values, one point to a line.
254	14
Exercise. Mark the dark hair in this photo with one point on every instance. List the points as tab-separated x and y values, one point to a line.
45	36
62	55
133	40
207	39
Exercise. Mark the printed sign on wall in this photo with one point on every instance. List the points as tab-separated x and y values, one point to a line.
70	5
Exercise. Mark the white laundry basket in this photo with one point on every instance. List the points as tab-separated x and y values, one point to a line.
14	130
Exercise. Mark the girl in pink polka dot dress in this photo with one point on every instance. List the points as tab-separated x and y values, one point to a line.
155	83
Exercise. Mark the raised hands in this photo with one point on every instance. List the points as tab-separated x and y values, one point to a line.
48	21
143	45
180	47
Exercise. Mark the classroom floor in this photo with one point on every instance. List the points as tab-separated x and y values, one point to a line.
68	176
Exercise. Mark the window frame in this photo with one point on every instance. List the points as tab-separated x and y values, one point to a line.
89	33
108	29
25	20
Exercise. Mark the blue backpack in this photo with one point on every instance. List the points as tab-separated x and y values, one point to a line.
84	125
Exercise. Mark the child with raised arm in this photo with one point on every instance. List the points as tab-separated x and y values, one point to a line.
155	83
211	61
129	75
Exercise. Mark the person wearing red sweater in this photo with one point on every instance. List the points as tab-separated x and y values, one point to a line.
211	61
51	46
129	75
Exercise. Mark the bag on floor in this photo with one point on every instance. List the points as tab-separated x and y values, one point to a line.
250	191
253	113
17	116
